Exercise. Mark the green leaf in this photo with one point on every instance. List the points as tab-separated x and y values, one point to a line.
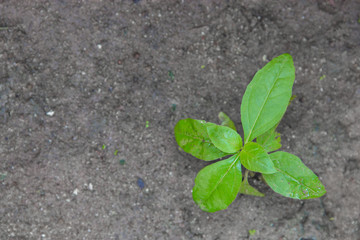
252	232
255	158
217	185
247	189
191	135
267	96
293	179
226	121
270	140
224	138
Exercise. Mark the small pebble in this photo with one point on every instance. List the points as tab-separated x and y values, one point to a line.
50	113
90	187
140	183
136	55
76	191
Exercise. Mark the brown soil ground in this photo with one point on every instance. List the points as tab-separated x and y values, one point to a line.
80	79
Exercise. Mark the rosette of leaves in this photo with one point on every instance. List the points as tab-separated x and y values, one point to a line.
263	105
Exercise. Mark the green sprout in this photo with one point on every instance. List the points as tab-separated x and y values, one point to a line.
263	105
252	232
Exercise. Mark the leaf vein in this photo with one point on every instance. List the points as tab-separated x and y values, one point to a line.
293	178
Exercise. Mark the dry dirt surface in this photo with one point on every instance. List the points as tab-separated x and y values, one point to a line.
90	92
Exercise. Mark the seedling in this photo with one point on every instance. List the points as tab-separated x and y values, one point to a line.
263	105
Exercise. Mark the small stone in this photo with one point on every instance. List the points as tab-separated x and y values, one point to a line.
140	183
99	46
91	187
136	55
50	113
76	191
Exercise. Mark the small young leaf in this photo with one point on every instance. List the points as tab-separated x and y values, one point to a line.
293	179
247	189
224	138
217	185
252	232
192	137
255	158
226	121
270	140
267	97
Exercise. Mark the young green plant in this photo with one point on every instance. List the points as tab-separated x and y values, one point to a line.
263	105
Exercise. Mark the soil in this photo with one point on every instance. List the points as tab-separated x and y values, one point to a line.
90	92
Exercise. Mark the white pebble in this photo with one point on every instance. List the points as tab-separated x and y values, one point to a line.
50	113
90	187
76	191
99	46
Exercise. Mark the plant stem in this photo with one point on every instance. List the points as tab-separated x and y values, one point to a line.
246	175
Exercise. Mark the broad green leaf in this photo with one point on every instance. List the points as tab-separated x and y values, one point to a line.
254	157
217	185
224	138
192	137
226	121
293	179
247	189
267	97
270	140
